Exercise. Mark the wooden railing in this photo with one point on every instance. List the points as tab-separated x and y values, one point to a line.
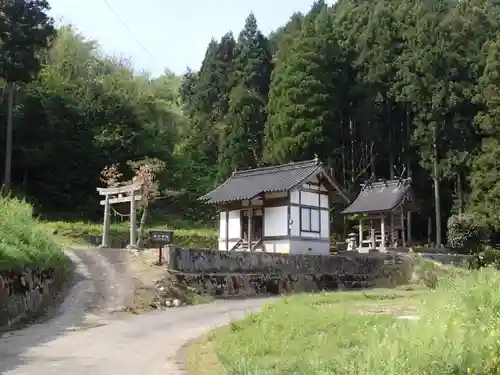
243	244
240	241
257	244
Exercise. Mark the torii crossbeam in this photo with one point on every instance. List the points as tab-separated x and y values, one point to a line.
120	194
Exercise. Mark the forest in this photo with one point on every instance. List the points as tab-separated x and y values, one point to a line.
373	88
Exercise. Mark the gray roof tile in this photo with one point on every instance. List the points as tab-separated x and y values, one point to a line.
380	196
247	184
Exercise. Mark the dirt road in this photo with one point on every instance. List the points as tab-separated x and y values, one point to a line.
90	337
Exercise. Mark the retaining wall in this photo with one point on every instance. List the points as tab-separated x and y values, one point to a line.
244	274
26	292
452	259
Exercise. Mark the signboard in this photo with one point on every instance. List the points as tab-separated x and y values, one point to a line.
161	237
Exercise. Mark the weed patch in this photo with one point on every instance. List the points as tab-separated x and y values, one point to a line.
78	233
23	240
358	332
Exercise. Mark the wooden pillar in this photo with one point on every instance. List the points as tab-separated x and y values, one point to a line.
227	230
360	245
403	234
408	228
250	213
391	230
105	232
382	231
372	238
133	220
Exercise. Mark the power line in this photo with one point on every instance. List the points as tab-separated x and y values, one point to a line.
129	29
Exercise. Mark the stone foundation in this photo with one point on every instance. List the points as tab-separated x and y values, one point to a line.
27	292
246	274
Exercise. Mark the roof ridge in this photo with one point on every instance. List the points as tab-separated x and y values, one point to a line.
296	164
388	182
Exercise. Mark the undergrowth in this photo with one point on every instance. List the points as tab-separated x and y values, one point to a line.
23	240
79	233
457	333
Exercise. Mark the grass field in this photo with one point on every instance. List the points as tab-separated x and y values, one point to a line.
75	233
358	333
23	240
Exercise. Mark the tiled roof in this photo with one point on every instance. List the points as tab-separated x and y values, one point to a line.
380	196
247	184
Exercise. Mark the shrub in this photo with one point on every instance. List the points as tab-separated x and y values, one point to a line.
23	242
432	273
487	256
467	231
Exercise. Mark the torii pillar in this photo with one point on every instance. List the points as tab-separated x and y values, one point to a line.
120	194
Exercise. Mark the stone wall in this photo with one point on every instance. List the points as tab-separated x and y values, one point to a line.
243	274
452	259
439	254
26	292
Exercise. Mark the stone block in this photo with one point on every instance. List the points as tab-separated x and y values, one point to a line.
246	274
26	291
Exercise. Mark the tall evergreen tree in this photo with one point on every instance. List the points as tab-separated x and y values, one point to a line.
241	140
485	177
279	38
207	96
303	94
437	80
25	31
253	61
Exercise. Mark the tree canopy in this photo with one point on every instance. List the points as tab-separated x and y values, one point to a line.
369	87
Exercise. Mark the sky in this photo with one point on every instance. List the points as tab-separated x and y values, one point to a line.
159	34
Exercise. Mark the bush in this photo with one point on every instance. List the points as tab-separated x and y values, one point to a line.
432	273
487	256
467	231
23	241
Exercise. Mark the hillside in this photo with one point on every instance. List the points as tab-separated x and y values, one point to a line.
373	88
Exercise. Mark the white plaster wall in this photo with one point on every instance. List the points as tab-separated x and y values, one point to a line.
276	221
325	224
222	245
234	224
309	199
309	247
294	196
309	234
295	216
279	246
222	226
313	184
324	201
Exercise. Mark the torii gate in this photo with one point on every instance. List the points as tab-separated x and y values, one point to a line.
120	194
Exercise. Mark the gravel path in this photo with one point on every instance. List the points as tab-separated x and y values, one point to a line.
87	336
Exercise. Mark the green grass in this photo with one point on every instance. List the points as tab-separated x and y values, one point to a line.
23	240
357	333
75	233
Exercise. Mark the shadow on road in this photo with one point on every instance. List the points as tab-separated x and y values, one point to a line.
80	293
